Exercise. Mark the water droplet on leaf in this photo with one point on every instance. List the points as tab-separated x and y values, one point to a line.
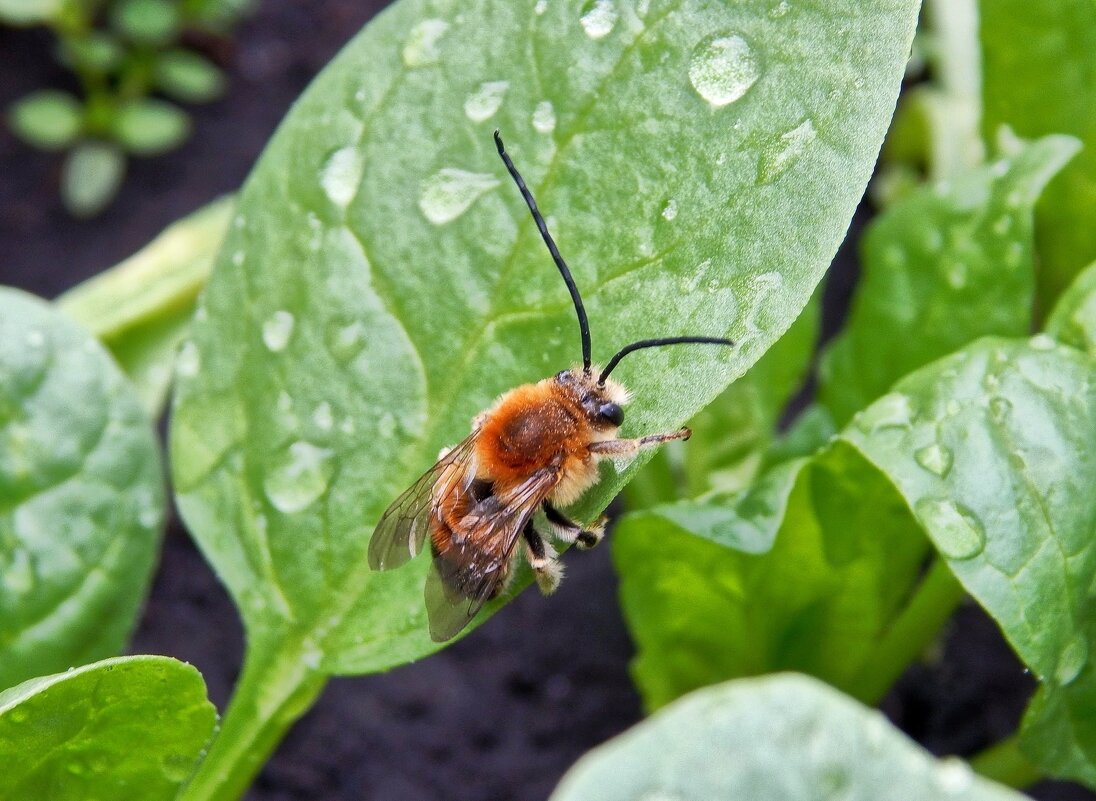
1072	660
342	175
958	534
484	102
776	159
935	458
723	68
299	477
277	330
669	211
422	43
598	18
448	193
544	117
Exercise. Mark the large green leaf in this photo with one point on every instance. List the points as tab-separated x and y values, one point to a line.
992	450
699	164
780	738
944	266
1045	87
1073	320
81	494
131	727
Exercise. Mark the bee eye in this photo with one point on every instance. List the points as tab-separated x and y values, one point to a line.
611	413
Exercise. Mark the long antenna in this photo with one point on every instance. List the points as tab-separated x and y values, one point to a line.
583	322
655	343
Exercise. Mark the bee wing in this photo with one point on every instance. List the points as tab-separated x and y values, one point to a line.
404	526
475	565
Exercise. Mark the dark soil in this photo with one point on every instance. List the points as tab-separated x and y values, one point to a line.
502	714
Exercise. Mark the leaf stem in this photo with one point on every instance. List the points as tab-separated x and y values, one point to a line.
1004	762
276	687
161	278
915	627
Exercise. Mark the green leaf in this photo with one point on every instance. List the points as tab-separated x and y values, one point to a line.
131	727
947	264
95	51
49	119
189	77
152	22
780	738
91	176
141	308
384	282
1073	320
28	12
81	495
1042	88
992	449
791	574
147	127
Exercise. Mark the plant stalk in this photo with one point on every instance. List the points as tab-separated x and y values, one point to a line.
1005	763
912	631
276	687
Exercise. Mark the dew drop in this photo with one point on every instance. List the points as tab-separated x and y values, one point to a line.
346	341
598	18
935	458
298	477
723	68
448	193
277	331
999	409
669	211
323	417
776	159
422	43
540	7
955	530
954	776
1072	660
890	411
544	117
780	9
484	102
188	362
342	175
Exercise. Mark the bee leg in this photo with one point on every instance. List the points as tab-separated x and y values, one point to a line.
546	568
629	447
570	531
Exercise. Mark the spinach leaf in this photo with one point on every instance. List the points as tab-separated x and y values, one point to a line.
1073	320
779	738
382	283
130	727
992	450
81	494
943	266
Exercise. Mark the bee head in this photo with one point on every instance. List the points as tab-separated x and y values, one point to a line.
602	402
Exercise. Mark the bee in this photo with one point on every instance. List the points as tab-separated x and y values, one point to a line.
537	447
